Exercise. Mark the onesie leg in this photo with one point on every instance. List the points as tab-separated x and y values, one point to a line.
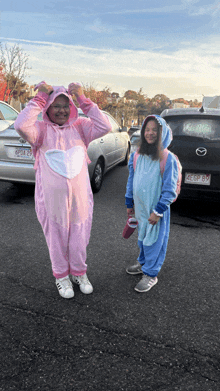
155	256
141	258
78	241
57	241
152	257
56	235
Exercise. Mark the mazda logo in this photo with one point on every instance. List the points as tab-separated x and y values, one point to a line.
201	151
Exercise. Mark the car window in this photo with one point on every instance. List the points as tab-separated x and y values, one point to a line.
195	127
114	124
135	139
7	113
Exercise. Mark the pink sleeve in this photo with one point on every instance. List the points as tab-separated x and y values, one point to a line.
97	125
27	124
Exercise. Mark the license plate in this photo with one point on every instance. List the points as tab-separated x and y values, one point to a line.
198	179
20	153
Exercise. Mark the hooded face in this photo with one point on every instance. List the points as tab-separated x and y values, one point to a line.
59	111
166	130
151	132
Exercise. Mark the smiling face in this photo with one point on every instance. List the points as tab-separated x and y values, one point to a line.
59	111
151	132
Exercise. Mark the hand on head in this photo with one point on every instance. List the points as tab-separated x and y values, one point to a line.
75	89
43	87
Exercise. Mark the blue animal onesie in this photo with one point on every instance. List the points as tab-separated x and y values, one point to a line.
148	191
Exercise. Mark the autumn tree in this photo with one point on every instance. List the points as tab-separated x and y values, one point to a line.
98	97
131	95
3	85
158	103
14	63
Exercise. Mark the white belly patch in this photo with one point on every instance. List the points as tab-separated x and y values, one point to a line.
66	163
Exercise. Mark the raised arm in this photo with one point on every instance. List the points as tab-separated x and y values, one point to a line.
26	123
97	124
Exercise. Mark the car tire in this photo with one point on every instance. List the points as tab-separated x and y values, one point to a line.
97	177
127	156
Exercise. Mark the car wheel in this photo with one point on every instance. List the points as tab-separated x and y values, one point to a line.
97	177
125	162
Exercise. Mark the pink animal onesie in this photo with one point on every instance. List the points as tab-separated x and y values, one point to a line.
63	195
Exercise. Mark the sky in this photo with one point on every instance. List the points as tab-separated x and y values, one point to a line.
170	48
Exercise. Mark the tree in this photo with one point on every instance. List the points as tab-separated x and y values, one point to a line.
14	63
3	85
158	103
131	95
98	97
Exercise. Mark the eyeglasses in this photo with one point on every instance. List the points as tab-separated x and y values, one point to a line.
58	107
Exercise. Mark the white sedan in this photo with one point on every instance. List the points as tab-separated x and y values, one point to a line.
17	161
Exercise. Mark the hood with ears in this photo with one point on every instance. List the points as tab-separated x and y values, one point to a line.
73	109
167	135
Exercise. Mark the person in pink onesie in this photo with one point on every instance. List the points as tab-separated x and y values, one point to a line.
63	195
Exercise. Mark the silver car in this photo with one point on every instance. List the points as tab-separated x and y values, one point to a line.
17	161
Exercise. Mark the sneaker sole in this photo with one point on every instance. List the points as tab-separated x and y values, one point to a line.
133	273
64	297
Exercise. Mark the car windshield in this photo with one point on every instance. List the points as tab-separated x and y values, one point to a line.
135	139
195	127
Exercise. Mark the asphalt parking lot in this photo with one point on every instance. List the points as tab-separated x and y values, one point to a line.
115	339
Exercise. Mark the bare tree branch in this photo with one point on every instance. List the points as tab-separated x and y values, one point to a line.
15	66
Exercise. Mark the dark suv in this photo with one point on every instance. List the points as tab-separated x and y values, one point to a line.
196	141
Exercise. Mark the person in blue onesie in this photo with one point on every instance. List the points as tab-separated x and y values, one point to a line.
148	196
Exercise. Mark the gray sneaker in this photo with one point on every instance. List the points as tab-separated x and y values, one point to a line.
134	269
146	283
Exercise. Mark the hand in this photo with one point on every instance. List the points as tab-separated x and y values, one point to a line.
75	89
130	211
153	219
43	87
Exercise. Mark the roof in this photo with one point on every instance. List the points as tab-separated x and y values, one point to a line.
190	111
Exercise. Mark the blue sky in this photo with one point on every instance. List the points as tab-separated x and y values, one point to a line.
170	47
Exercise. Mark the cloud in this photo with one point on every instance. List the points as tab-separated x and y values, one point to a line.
208	9
192	70
50	33
98	27
165	9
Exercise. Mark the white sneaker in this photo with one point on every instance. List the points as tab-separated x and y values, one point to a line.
65	287
84	284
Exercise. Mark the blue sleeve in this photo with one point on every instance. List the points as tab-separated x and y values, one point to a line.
169	185
129	188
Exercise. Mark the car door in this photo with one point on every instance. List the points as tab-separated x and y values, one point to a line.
107	145
120	141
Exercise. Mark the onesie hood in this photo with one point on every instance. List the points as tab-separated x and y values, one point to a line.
167	135
73	109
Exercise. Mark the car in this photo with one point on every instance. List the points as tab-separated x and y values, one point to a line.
196	142
135	140
133	129
17	161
